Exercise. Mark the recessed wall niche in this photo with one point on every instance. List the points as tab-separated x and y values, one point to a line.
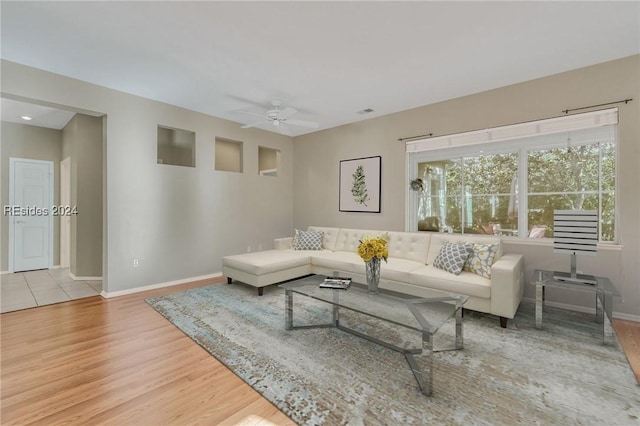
228	155
176	147
268	161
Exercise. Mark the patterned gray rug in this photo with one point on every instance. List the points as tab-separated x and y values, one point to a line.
557	376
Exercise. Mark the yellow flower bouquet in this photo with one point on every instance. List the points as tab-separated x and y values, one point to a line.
374	247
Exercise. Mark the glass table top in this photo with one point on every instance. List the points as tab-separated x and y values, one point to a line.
547	278
426	313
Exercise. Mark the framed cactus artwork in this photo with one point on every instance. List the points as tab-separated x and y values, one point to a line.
361	185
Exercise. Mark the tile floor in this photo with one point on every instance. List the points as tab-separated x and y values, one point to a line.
37	288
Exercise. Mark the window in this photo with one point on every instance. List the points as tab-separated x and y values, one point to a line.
511	187
228	155
572	178
176	147
475	194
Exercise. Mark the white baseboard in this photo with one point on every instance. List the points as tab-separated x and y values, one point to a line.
108	295
577	308
9	272
627	317
75	278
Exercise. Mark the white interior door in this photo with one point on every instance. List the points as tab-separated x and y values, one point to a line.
65	220
31	223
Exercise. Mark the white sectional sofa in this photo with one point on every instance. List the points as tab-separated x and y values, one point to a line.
409	268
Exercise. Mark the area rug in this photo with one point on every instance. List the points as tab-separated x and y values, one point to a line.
560	375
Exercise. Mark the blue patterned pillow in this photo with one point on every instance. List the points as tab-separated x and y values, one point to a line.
308	240
452	257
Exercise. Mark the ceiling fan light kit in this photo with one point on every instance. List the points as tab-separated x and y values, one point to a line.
279	118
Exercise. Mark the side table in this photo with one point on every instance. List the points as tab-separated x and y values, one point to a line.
604	292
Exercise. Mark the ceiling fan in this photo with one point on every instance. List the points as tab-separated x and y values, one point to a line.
279	117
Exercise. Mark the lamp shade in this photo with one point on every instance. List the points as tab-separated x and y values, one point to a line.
575	232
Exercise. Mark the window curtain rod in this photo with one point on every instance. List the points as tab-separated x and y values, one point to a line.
428	135
625	101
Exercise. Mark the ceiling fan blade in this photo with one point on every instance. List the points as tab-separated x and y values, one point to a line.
255	114
287	112
303	123
257	123
284	129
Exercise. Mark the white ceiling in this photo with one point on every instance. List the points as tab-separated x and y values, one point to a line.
326	59
41	116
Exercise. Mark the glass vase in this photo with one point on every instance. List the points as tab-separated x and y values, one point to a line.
373	275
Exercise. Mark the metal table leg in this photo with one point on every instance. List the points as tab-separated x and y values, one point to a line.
459	336
539	304
288	310
335	313
605	303
424	377
599	307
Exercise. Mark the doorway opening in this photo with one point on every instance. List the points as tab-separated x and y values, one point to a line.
53	244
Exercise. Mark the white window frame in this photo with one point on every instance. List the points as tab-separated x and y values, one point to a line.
518	138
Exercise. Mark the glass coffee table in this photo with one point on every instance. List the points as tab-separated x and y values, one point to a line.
426	314
603	290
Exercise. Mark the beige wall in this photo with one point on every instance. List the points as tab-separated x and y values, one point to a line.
69	142
317	156
36	143
82	141
178	221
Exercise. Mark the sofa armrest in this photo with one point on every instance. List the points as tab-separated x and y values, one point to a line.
507	285
282	243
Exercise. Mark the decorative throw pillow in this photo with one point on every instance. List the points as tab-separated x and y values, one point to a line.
308	240
452	257
481	258
294	241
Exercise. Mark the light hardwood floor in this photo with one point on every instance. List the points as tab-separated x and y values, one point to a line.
628	333
117	361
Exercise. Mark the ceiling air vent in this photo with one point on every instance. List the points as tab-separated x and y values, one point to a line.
365	111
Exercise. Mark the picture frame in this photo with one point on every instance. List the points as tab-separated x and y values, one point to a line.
360	186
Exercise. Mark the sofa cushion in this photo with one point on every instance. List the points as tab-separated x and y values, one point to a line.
268	261
349	239
481	259
397	269
452	257
466	283
307	240
394	269
409	245
339	261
